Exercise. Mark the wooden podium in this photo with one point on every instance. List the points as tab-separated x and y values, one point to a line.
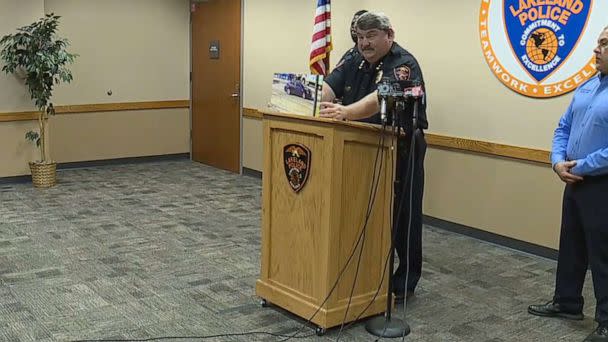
309	232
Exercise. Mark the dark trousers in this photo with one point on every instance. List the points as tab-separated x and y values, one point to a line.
401	232
583	243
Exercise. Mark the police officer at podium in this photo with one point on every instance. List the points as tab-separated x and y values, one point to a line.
355	81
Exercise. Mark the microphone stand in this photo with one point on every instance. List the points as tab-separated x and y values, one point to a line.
388	326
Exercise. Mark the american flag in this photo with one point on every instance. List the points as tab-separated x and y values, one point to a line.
321	39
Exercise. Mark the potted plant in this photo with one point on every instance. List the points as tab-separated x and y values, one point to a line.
41	56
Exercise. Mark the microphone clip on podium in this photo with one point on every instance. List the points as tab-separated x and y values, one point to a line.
394	99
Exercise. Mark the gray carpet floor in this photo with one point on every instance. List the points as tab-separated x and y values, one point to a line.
172	249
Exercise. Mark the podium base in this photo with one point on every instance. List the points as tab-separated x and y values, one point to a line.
390	328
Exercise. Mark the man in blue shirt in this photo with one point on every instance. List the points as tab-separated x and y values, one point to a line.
580	159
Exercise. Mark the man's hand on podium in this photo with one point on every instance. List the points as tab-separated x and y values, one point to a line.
334	111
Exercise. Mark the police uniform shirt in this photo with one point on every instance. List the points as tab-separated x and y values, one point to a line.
348	55
354	78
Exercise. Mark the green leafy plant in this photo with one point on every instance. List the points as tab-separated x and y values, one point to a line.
41	55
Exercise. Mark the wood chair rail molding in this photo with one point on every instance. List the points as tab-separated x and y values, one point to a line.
464	144
434	140
98	107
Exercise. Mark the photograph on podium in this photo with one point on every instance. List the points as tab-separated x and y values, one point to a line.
294	93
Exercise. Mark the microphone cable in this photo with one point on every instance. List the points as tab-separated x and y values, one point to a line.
393	239
192	337
387	258
370	205
408	175
410	172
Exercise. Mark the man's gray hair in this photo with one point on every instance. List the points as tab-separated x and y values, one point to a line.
373	20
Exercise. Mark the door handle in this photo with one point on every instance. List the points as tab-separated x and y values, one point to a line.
234	95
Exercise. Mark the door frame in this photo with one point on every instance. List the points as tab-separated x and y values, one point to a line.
242	46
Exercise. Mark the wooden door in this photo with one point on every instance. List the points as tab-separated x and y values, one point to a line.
216	79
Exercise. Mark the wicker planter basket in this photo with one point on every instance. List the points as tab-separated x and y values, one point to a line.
44	174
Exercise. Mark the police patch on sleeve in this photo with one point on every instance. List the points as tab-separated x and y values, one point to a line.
402	73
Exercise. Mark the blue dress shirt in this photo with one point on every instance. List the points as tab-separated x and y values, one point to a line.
582	133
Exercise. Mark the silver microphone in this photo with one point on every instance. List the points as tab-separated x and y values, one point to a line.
383	109
383	92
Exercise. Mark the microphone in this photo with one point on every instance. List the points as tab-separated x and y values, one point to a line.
411	89
400	93
383	92
417	92
383	109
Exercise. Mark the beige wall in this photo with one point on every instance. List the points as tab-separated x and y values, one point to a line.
503	196
15	151
138	49
108	135
253	139
507	197
13	14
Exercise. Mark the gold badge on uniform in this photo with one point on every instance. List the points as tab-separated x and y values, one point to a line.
379	76
347	88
